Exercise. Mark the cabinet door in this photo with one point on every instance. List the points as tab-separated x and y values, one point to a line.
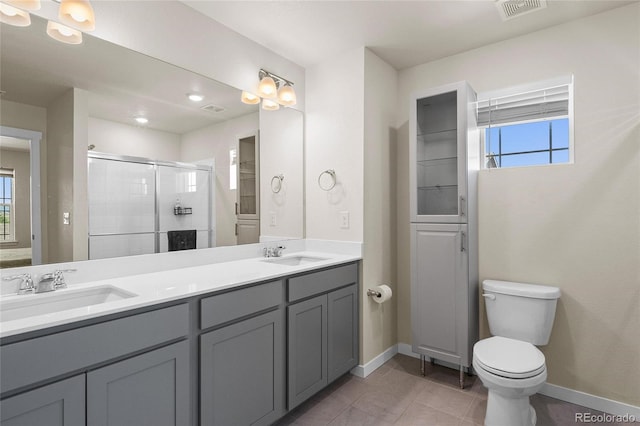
439	288
149	389
242	372
307	351
438	154
342	338
58	404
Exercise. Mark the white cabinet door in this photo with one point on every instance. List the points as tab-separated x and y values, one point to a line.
439	292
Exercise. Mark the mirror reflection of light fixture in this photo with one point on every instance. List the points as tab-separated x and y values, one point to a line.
142	120
273	88
12	16
24	4
78	14
270	105
249	98
63	33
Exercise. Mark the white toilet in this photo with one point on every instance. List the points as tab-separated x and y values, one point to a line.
509	365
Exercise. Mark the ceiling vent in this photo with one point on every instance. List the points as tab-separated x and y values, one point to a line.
513	8
212	108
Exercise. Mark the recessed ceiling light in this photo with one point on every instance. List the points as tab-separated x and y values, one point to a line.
195	97
142	120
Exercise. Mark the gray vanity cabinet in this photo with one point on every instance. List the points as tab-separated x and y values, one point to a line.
57	404
149	389
322	330
242	363
242	372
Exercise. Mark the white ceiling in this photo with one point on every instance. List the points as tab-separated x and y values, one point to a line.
35	70
403	33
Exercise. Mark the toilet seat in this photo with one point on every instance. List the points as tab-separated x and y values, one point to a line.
509	358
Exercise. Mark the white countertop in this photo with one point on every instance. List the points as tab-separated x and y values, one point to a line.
166	286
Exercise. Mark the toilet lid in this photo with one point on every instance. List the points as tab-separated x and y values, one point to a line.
508	357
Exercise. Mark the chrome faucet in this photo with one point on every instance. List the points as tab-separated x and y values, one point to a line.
26	285
273	251
52	281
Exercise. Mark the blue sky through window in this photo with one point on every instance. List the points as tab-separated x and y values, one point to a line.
528	144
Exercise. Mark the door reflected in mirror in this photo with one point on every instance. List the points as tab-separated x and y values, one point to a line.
86	98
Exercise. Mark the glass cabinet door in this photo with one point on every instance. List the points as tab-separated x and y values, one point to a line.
438	154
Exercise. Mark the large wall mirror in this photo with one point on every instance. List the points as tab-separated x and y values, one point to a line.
77	105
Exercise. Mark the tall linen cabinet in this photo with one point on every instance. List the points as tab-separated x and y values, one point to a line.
444	163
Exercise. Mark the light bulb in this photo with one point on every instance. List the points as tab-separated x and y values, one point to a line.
24	4
267	87
63	33
287	96
12	16
78	14
249	98
269	105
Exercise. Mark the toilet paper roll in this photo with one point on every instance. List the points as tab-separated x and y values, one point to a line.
384	293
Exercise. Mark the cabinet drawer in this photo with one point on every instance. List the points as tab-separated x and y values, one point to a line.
321	282
226	307
38	359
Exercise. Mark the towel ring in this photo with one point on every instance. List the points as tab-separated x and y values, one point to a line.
332	182
276	183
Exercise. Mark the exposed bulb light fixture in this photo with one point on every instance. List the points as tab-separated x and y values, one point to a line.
78	14
274	91
12	16
63	33
287	96
267	87
24	4
250	98
270	105
142	120
195	97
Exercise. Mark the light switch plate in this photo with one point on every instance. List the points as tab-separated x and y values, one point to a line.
273	219
66	218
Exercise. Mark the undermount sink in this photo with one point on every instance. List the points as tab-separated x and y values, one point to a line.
24	306
294	260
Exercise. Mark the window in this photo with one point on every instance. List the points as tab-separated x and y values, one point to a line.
527	126
7	208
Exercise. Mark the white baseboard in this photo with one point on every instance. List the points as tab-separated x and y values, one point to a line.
590	401
564	394
371	366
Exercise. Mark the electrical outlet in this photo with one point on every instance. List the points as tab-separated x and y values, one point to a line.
273	221
344	220
66	218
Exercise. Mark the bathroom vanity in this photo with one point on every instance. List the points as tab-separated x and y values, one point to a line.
210	351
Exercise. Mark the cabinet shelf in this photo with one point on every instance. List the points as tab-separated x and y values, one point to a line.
436	187
431	161
436	132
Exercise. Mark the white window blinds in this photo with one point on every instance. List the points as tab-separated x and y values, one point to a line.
528	105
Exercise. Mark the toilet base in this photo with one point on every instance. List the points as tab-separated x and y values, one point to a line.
508	411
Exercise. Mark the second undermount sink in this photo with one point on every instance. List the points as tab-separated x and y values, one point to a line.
24	306
294	260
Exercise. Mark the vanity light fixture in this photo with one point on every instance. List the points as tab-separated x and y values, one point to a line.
249	98
195	97
274	91
142	120
25	4
13	16
78	14
63	33
270	105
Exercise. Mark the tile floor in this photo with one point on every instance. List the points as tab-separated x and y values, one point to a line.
397	394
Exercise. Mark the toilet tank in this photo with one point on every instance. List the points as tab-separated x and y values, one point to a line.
520	311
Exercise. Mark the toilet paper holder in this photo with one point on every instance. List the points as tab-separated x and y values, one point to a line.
374	293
